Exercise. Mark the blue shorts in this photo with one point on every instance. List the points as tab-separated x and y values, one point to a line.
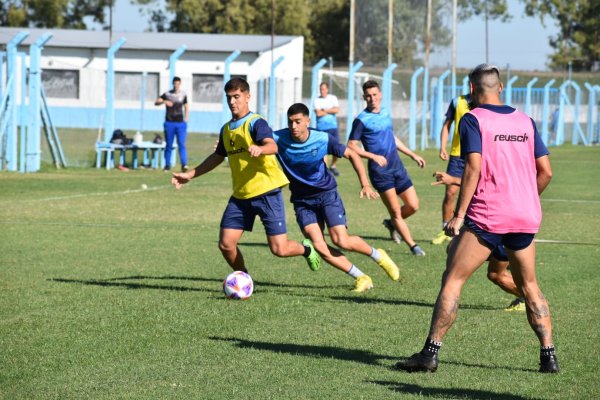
326	207
499	253
512	241
398	179
240	214
456	166
334	133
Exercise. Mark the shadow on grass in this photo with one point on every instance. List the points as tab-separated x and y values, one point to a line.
361	356
396	302
453	393
117	282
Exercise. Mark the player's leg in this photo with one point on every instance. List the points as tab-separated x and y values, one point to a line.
228	244
169	139
410	202
538	311
181	143
466	254
396	212
500	275
455	168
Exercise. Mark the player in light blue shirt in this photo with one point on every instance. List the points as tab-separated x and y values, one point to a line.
316	200
373	129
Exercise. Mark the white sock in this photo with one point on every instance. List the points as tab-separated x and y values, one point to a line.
444	224
355	272
375	255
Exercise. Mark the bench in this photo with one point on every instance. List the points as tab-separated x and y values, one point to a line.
154	154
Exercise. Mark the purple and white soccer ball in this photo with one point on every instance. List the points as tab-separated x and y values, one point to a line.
238	286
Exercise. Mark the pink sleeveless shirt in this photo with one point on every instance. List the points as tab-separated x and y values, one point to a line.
506	199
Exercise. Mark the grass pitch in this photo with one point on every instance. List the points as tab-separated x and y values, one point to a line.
108	290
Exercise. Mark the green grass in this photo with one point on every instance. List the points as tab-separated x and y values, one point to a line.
111	291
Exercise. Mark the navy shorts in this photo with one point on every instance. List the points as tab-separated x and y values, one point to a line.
326	207
399	180
512	241
499	253
334	133
240	214
456	166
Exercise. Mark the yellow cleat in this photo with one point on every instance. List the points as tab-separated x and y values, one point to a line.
388	265
517	304
362	284
440	238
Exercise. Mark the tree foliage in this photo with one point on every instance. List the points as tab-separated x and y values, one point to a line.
578	39
51	13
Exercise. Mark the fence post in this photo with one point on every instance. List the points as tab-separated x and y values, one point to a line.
590	117
351	86
425	108
465	85
546	113
23	114
509	85
109	119
226	78
173	62
387	86
412	124
438	114
528	96
314	85
273	93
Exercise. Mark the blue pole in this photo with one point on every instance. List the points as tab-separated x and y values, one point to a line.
350	117
453	91
546	112
577	131
425	109
273	93
226	78
560	129
1	69
314	85
23	114
173	62
10	152
509	86
109	120
597	135
261	96
412	125
387	86
142	100
32	158
438	115
528	96
465	85
590	116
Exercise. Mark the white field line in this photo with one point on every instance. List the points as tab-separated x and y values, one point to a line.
75	196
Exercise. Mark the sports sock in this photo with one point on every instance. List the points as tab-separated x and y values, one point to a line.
375	255
547	351
444	224
306	251
355	272
431	348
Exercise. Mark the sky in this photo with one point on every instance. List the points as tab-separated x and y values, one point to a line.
521	43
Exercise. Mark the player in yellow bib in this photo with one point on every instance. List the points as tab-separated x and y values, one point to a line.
458	107
247	141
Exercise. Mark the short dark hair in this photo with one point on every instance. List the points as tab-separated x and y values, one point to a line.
476	75
370	84
176	79
324	84
298	108
237	83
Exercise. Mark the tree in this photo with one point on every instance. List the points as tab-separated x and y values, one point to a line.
578	39
51	13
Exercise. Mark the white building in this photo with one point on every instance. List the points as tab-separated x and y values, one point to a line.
74	64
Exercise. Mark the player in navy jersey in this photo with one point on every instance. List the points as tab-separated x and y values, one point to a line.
317	203
373	128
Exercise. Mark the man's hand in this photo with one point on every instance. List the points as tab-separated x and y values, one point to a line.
380	160
442	178
419	160
255	150
369	193
444	154
453	227
180	179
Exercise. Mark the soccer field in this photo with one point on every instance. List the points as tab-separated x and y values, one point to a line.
108	290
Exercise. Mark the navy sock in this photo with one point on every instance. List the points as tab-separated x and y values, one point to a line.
431	348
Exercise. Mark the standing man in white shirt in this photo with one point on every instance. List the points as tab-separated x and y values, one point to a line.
326	107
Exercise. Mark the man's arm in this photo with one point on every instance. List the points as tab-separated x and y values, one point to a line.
356	146
544	172
209	163
187	111
469	182
359	168
444	134
266	147
403	149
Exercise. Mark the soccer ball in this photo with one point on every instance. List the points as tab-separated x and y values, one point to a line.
238	286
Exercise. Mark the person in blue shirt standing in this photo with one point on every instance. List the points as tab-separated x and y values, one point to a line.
373	129
315	197
326	107
178	113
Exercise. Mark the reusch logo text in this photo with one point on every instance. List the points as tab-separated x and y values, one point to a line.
510	138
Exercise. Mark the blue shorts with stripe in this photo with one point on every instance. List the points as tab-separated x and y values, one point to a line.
512	241
240	214
325	207
398	179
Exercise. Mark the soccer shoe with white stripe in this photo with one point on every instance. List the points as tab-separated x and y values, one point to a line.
394	234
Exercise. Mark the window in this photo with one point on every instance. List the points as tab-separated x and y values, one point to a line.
61	83
128	86
208	88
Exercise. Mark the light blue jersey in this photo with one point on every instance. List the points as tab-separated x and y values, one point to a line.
304	164
375	132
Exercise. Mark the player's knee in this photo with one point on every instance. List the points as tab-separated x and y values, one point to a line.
321	248
342	242
226	247
494	277
278	250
